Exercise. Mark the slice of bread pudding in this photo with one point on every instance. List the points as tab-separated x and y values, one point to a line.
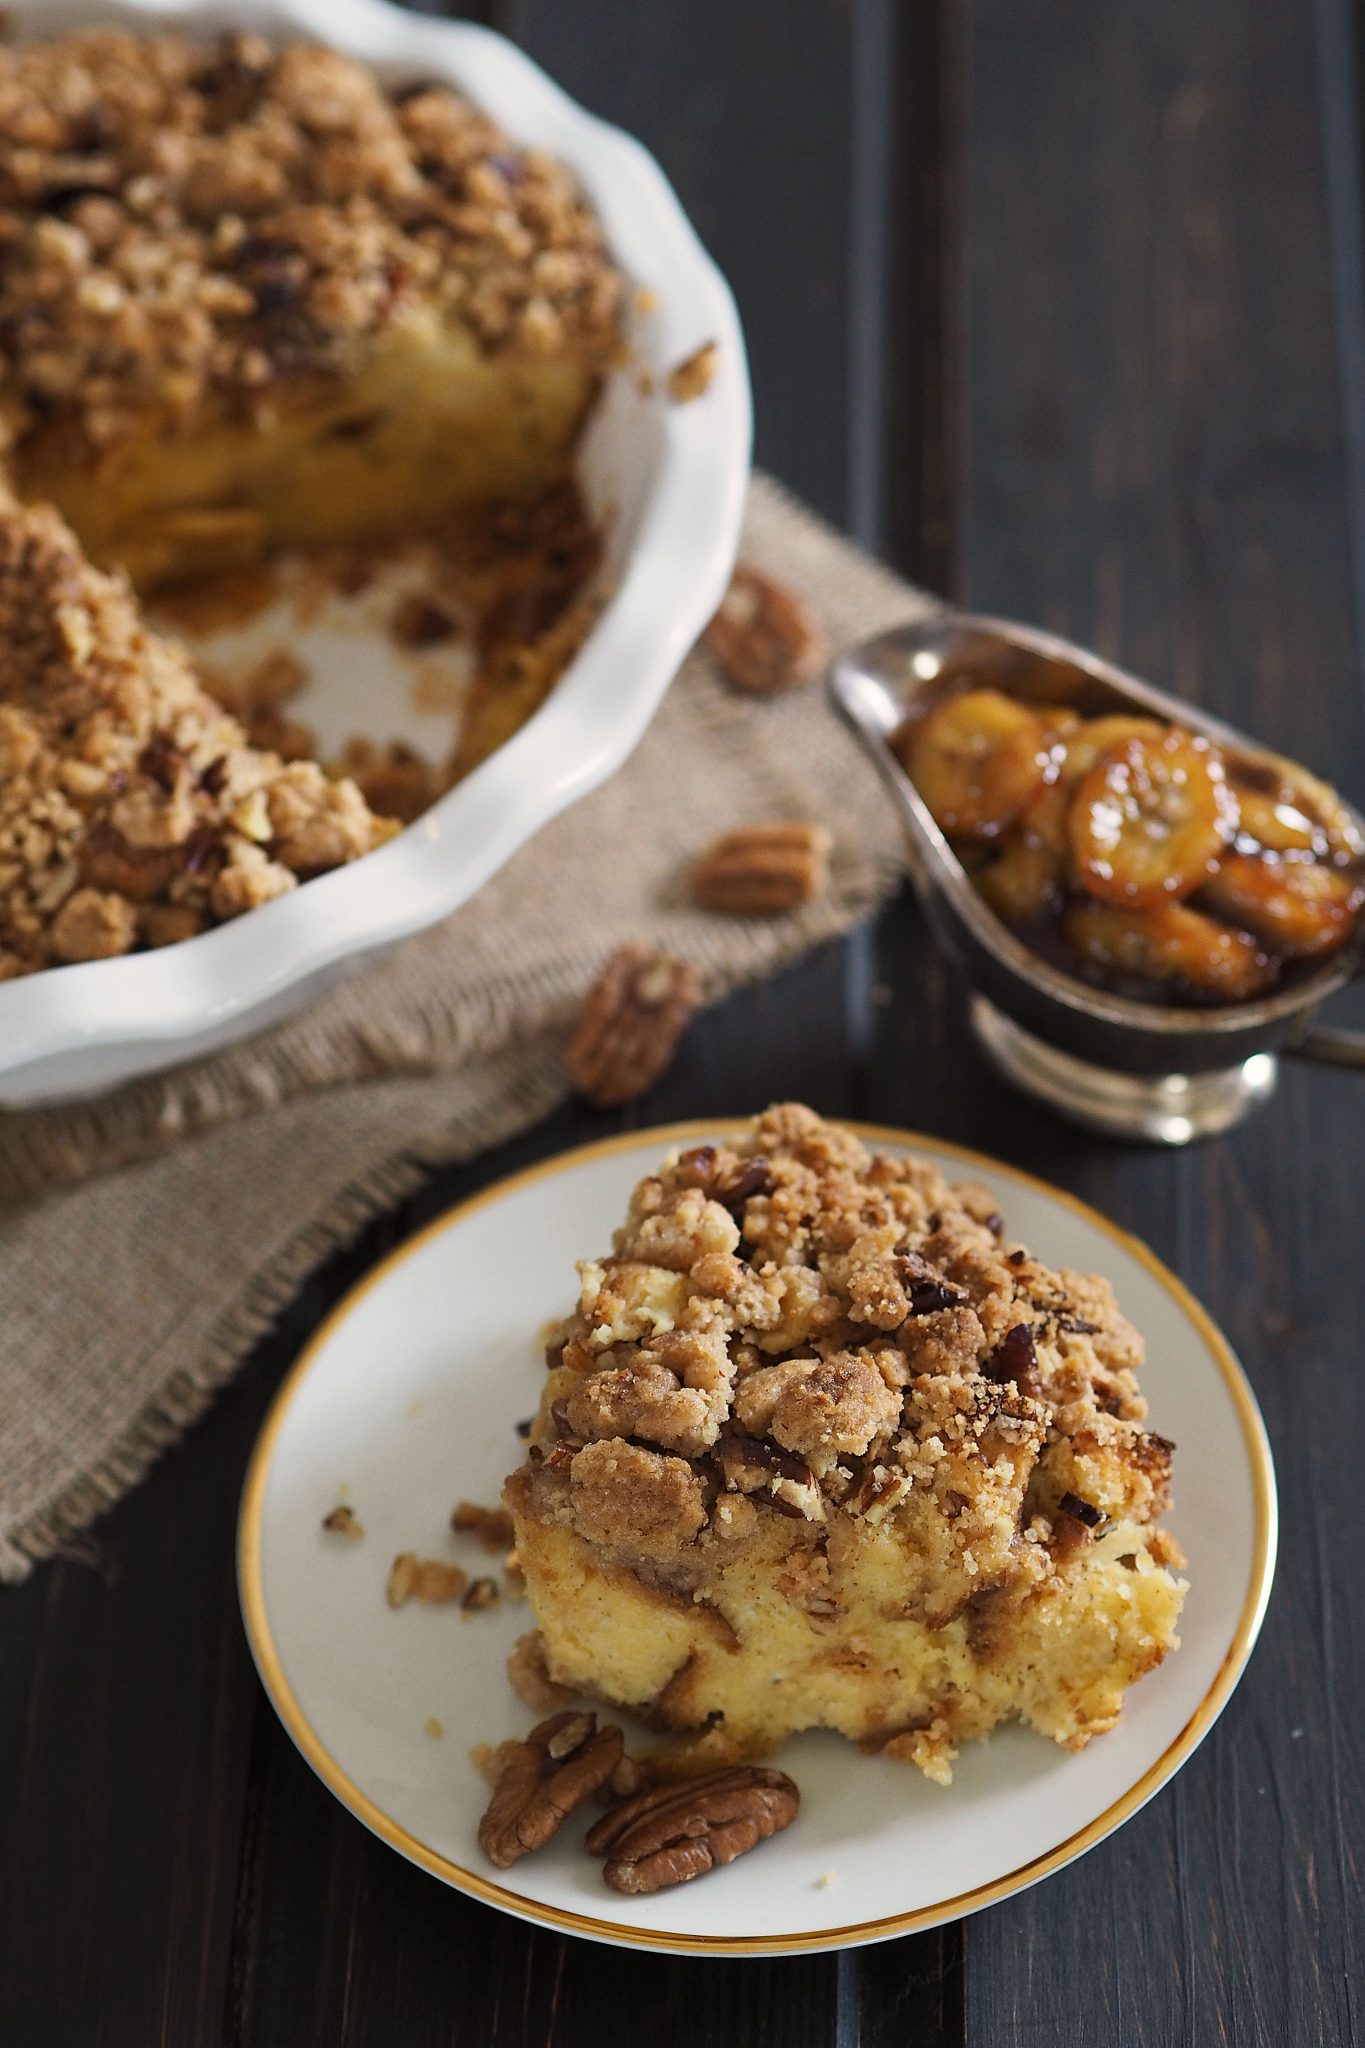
822	1447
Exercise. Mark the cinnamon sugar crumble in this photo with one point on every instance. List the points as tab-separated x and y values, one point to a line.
182	224
132	808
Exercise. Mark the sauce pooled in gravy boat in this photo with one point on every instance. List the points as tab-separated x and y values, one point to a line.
1147	903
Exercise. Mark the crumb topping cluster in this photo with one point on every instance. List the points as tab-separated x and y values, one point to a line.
797	1327
132	810
184	222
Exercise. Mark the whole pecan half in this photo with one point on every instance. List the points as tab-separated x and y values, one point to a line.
764	636
676	1832
631	1021
760	869
559	1765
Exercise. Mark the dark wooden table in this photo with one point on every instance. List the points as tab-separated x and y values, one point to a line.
1058	304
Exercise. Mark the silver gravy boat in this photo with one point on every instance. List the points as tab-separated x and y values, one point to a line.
1132	1069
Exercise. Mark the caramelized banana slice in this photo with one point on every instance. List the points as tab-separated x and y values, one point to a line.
1099	736
1058	721
1297	906
1171	943
1287	810
1024	882
1150	819
1044	820
977	759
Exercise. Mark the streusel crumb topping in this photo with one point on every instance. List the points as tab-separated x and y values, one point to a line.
796	1325
132	810
183	222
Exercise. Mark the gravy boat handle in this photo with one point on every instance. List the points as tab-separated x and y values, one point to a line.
1327	1045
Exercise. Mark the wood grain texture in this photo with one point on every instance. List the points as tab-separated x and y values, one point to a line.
1051	298
1153	461
751	111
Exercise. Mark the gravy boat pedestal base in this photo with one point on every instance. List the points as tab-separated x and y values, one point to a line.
1162	1109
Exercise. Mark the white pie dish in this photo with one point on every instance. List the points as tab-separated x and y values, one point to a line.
405	1401
673	478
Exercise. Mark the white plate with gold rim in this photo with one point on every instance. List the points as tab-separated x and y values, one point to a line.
406	1400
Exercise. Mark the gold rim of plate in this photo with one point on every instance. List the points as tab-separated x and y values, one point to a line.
286	1704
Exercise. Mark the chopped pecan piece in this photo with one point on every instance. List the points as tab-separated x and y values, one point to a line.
692	376
760	869
492	1526
559	1765
631	1021
925	1287
420	620
423	1578
1082	1510
342	1522
1015	1358
764	636
879	1492
677	1832
754	1465
755	1177
481	1593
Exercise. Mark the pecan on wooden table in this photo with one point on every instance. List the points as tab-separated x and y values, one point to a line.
759	870
631	1021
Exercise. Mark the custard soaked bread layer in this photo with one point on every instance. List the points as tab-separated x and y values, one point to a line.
821	1446
249	296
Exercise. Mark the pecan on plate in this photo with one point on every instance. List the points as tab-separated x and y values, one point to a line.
764	636
492	1526
559	1765
761	869
676	1832
631	1021
692	377
423	1578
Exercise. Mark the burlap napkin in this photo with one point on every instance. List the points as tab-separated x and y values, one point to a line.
147	1238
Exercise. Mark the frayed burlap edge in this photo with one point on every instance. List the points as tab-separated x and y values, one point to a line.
501	1052
180	1402
540	1086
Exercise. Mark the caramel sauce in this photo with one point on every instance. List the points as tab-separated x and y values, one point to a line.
1132	853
